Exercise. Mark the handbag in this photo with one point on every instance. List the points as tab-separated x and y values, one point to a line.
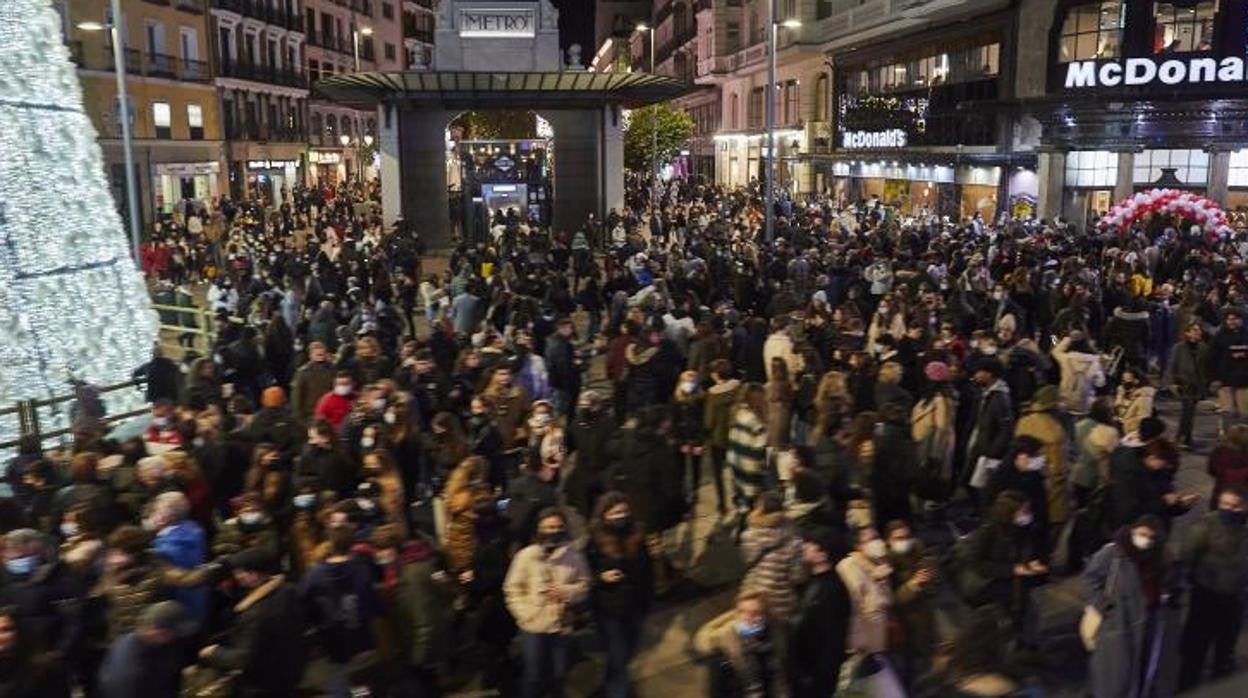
1090	622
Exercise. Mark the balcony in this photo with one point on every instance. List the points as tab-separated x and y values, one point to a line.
194	6
242	70
263	132
416	5
683	36
139	64
159	65
261	10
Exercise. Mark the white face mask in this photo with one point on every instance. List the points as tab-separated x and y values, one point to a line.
876	550
901	547
1036	463
343	390
1024	519
1142	541
689	387
390	418
367	442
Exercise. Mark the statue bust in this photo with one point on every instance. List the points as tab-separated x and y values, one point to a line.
574	58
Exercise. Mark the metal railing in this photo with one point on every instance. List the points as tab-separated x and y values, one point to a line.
186	320
27	412
244	70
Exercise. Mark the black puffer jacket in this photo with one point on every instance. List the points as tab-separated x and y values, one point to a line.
265	642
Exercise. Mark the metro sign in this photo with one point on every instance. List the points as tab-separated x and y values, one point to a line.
477	22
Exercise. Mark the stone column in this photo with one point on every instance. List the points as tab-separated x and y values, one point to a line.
1051	176
423	165
1219	175
1124	187
612	162
389	171
579	183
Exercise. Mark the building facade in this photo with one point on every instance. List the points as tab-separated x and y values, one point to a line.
418	26
258	47
173	110
1124	96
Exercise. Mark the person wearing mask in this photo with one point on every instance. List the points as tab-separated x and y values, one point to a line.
340	605
312	381
866	574
688	408
46	600
993	422
323	464
1040	421
818	629
747	448
622	586
748	653
181	543
1096	438
717	420
334	406
1001	561
1130	584
1189	378
772	552
536	490
1144	484
1214	554
1228	463
467	489
1228	362
1023	471
545	580
147	661
263	644
588	435
914	582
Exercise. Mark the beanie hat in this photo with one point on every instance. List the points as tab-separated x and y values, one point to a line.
1151	428
273	397
936	371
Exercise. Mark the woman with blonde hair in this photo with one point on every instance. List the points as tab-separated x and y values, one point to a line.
466	489
832	403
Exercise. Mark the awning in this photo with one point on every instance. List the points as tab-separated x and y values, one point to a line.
475	90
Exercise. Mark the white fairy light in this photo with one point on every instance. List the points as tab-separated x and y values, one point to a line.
72	302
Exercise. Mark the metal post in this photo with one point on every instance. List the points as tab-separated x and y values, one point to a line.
654	136
769	198
355	47
127	146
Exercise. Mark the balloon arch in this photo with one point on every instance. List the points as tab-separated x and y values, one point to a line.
1202	212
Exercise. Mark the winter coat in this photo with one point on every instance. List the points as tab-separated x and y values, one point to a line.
328	469
933	429
779	417
1095	442
871	599
531	572
818	632
528	495
780	345
1028	483
1082	374
1228	358
1116	666
994	424
641	378
1215	553
770	544
736	660
340	603
1188	369
645	467
264	642
688	413
126	593
627	552
561	365
48	607
587	439
1135	490
184	545
334	408
717	417
1045	428
1228	466
747	456
1133	406
892	472
422	613
133	668
462	497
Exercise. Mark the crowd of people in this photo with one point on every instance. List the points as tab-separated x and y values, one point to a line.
382	482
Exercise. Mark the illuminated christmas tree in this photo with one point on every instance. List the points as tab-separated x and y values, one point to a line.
72	301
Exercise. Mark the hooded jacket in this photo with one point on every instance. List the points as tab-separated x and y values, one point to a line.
717	417
770	544
1082	374
532	571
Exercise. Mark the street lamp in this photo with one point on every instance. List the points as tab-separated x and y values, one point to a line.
769	199
368	140
345	140
355	43
127	145
654	129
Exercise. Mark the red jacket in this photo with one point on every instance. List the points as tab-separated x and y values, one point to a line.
334	408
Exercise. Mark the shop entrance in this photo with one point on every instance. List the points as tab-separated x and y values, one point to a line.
1083	204
500	170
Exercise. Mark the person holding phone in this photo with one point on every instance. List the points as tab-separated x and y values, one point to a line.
622	586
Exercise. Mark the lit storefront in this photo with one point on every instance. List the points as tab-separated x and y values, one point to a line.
270	181
173	183
1140	94
327	167
912	127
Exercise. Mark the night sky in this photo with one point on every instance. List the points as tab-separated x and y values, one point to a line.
576	24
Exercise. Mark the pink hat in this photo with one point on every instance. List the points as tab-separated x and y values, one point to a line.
936	371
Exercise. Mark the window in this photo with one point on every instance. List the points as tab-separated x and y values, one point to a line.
162	119
195	120
155	38
391	52
387	10
190	43
792	102
821	97
823	9
1091	168
1181	28
733	36
1093	31
734	110
1190	166
1238	176
757	105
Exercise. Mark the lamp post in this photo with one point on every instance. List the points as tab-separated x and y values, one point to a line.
345	140
654	130
356	33
127	144
769	198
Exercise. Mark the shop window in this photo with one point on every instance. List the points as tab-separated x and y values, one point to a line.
1190	166
195	121
1091	168
1093	31
1238	176
1183	28
162	119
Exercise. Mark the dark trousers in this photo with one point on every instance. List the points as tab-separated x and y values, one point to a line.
620	635
1213	622
719	458
545	664
1187	417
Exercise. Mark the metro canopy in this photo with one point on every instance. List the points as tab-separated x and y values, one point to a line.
1144	71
